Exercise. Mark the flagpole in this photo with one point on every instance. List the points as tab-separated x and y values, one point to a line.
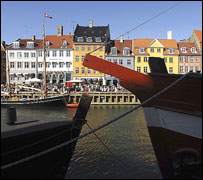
45	79
8	74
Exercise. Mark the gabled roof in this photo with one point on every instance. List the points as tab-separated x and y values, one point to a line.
155	41
198	34
57	41
120	45
38	43
188	46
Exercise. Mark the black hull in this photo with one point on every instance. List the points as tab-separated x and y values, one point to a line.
50	101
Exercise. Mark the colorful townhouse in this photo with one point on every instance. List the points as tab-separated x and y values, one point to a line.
87	39
163	48
120	53
3	62
189	57
59	58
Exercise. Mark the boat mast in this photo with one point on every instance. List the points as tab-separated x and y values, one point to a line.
8	73
45	80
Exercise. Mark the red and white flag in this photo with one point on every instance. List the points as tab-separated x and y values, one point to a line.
46	15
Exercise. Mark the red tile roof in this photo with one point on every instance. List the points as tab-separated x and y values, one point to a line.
38	43
198	34
188	46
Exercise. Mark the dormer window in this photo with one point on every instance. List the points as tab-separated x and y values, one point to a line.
30	44
47	44
141	50
98	39
183	49
193	49
126	51
16	44
113	51
64	44
171	51
80	39
89	39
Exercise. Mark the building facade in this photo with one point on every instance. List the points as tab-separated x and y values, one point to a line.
189	57
87	39
120	53
163	48
3	62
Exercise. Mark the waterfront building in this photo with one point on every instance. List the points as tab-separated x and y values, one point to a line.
196	38
120	53
163	48
3	62
22	59
189	57
87	39
59	58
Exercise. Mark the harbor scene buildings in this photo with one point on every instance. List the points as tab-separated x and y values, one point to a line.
76	102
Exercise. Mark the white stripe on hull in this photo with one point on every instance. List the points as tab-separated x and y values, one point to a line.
178	122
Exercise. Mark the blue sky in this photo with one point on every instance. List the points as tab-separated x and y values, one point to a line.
22	19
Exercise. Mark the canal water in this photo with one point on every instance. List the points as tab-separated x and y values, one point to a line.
128	139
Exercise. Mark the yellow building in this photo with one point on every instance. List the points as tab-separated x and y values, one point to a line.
87	39
163	48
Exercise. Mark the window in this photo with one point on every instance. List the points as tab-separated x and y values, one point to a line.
40	53
80	39
115	61
89	39
60	53
171	51
19	54
32	54
101	48
193	49
26	65
83	48
95	47
94	71
19	64
83	70
191	59
197	59
77	47
158	50
98	39
196	68
32	64
141	50
67	53
114	51
47	64
126	51
89	71
40	65
47	43
183	49
138	59
16	44
77	70
145	69
11	64
181	59
165	59
138	69
64	44
26	55
77	58
89	48
30	44
54	53
186	58
170	69
47	53
83	57
54	64
145	59
129	62
11	54
181	69
151	50
191	68
170	60
186	69
60	64
120	61
68	64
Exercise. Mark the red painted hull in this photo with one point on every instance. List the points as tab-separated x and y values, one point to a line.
73	105
182	105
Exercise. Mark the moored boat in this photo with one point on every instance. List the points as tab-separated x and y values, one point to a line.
174	118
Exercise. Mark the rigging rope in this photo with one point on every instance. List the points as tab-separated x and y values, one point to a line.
96	129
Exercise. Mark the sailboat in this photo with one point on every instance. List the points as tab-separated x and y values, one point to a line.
45	100
174	116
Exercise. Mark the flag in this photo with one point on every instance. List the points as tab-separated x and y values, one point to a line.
46	15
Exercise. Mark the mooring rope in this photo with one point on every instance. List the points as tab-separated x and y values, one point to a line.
96	129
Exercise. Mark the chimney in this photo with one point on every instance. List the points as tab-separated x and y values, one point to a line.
91	24
121	38
33	37
169	35
60	30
